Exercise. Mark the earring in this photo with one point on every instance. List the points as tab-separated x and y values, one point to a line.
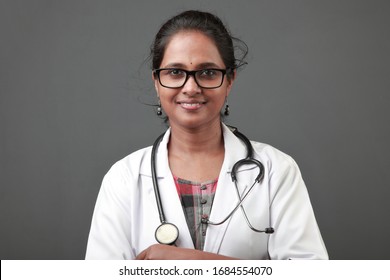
227	110
159	110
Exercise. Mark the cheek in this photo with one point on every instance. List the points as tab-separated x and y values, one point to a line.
166	96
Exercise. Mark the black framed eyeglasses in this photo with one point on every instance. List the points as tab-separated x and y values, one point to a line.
176	78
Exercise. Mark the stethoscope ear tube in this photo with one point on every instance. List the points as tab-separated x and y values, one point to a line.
254	161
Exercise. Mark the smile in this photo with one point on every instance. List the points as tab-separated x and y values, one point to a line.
192	105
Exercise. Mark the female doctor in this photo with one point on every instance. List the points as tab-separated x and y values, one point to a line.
209	216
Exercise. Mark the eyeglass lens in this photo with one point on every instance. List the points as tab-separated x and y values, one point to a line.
176	78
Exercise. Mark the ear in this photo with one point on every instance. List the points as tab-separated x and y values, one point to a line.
230	82
155	80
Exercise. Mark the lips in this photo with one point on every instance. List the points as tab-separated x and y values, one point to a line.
191	105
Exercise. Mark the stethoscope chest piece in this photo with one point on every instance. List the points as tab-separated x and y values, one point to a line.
167	234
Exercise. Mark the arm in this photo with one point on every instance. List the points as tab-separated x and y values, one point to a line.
297	235
110	227
166	252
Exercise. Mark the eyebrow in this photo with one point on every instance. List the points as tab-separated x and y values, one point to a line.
199	66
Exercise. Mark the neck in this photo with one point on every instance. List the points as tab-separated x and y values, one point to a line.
206	140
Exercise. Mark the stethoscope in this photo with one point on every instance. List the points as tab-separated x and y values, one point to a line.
168	233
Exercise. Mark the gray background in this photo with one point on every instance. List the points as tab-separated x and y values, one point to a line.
74	81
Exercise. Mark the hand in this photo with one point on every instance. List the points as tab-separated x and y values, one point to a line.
166	252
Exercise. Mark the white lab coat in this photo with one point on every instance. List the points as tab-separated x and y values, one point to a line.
126	216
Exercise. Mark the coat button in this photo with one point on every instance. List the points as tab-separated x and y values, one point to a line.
203	201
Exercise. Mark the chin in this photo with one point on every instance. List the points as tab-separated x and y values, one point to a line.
194	123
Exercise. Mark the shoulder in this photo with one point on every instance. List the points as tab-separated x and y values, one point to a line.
129	166
275	160
267	151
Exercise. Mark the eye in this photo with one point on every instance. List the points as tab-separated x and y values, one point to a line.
176	72
172	74
208	74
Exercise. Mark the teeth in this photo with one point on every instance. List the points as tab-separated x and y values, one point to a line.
191	105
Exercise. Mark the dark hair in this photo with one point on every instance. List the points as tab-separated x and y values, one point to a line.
208	24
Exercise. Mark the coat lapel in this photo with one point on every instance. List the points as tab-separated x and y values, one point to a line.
169	198
226	197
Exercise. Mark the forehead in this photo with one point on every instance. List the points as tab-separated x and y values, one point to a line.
191	48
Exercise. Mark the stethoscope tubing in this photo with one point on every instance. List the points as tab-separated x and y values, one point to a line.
248	160
154	179
242	199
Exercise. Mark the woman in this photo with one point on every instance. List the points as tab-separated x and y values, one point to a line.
194	68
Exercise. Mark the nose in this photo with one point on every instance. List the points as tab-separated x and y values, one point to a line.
191	87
